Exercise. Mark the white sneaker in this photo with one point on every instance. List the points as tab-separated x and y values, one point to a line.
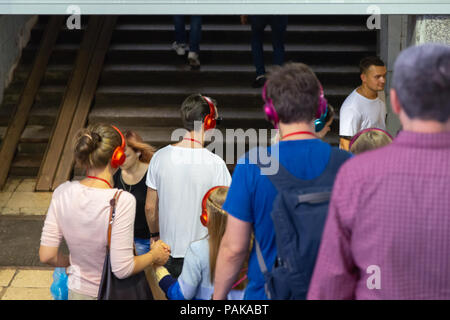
193	59
180	49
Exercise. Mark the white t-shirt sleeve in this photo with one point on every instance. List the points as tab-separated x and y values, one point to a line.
151	172
223	176
349	122
383	116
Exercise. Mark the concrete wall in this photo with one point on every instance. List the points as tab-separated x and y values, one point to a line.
401	31
14	35
432	29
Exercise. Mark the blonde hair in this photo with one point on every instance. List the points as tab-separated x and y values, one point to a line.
370	140
95	145
217	222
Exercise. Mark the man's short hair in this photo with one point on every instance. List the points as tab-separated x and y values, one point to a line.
422	82
294	90
367	62
194	108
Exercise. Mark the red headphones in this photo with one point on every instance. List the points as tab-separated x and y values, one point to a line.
210	119
118	157
204	215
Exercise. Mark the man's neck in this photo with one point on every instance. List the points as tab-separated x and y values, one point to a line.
192	140
367	92
287	129
424	126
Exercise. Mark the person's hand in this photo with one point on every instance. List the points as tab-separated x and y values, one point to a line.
244	19
160	252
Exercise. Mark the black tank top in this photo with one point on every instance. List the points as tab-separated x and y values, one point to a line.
139	191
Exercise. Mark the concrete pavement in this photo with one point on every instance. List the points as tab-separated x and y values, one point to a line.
25	283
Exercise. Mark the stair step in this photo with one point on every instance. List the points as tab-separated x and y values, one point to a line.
178	74
230	47
130	115
66	54
205	47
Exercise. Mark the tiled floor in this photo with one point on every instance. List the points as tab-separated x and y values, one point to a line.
25	283
19	198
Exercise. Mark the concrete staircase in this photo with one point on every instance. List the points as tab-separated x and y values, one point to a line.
143	82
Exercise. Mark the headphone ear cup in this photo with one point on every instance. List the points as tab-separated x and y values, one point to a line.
118	158
209	122
319	124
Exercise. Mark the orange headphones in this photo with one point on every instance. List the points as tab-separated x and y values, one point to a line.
118	157
210	119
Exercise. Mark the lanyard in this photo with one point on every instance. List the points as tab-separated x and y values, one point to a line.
298	132
193	140
97	178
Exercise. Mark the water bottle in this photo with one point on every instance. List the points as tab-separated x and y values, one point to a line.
59	288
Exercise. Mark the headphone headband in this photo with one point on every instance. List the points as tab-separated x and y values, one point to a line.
356	136
204	215
272	116
210	119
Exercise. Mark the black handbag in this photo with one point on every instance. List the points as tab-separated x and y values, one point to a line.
134	287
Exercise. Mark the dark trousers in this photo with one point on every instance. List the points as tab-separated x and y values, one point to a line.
278	25
195	32
174	266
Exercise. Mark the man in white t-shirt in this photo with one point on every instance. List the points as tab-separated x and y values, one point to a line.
178	177
363	108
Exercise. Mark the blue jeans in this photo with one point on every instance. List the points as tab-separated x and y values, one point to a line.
278	25
142	245
194	34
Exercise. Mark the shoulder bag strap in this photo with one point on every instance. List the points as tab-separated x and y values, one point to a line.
112	213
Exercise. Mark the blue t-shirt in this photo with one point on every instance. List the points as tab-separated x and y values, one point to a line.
251	196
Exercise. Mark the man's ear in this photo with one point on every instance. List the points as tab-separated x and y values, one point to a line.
363	77
395	103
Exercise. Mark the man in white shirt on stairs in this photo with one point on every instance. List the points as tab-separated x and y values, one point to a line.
363	108
178	177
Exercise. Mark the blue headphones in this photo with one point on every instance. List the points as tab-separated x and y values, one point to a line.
321	122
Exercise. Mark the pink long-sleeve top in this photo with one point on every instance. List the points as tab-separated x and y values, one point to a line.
80	214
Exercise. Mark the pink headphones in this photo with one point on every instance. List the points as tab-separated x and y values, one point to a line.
356	136
271	113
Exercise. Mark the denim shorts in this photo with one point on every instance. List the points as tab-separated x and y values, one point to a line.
142	245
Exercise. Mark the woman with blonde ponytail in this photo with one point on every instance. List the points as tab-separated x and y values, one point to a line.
197	276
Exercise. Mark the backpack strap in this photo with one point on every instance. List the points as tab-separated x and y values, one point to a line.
259	256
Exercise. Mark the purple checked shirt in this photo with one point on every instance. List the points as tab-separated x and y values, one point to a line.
387	235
